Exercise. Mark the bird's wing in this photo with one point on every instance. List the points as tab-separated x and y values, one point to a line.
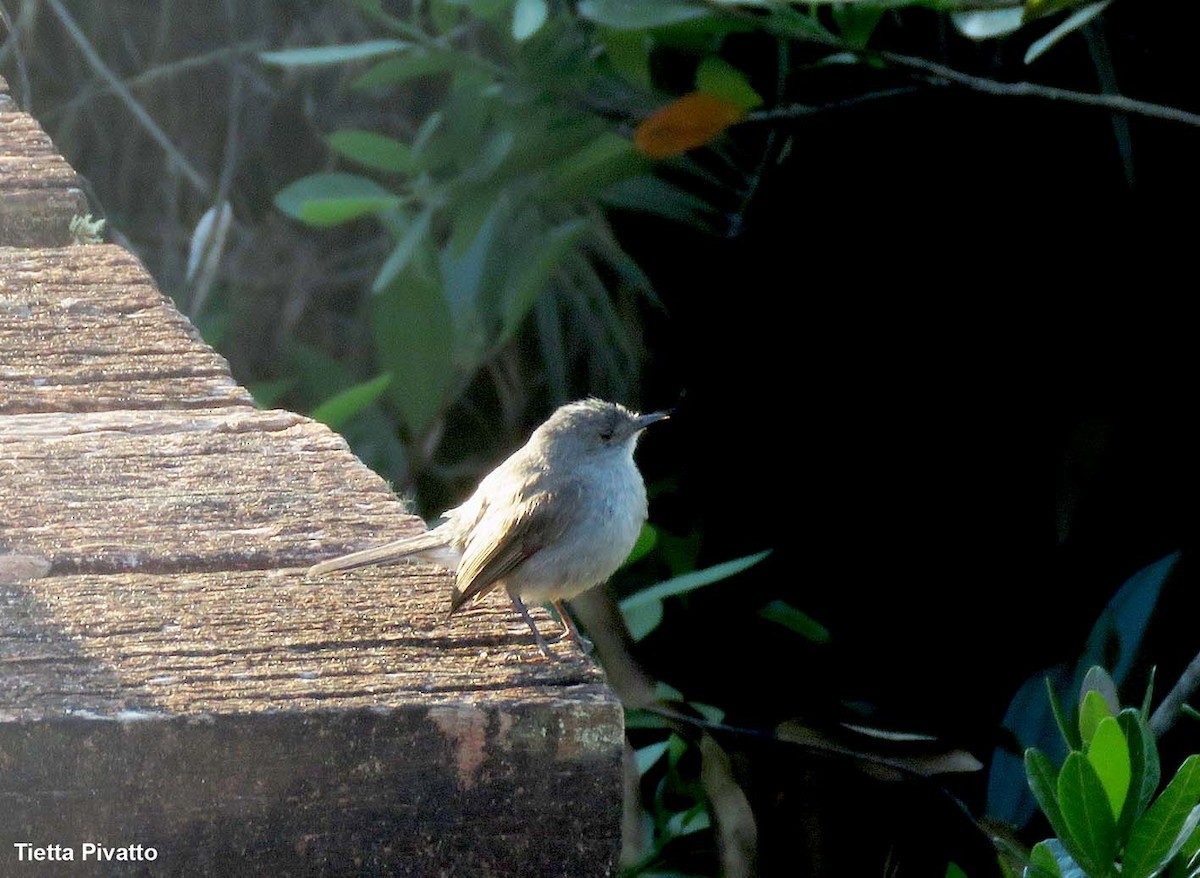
507	536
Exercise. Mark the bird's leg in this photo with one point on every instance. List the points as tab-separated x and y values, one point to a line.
569	627
537	635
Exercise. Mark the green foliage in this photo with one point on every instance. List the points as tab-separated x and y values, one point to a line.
491	203
1101	802
643	611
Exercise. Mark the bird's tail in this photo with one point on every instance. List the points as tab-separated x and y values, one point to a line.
387	552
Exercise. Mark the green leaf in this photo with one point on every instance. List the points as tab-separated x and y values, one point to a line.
528	18
646	541
857	21
414	341
1042	862
402	253
337	410
1156	834
533	270
1073	22
639	15
402	68
629	54
717	77
373	150
323	56
1092	709
654	195
643	618
691	581
1069	732
987	24
1043	783
1109	755
647	756
1144	771
595	166
953	870
1097	679
1091	828
331	199
802	623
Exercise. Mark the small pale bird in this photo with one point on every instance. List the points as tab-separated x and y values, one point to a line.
556	518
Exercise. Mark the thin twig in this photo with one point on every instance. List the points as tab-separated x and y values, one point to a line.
938	74
795	111
194	177
154	74
1173	704
796	26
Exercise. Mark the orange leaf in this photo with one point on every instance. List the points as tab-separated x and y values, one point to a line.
686	123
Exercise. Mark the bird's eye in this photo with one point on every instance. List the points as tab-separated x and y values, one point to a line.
606	435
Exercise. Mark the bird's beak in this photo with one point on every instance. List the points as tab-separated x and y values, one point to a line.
641	422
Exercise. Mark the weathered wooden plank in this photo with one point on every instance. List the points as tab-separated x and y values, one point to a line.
177	490
443	791
255	641
39	192
84	328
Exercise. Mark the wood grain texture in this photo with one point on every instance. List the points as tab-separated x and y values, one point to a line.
83	328
39	191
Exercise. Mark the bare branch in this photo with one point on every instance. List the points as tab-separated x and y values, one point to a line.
938	74
193	176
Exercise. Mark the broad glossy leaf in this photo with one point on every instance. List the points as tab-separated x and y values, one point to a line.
1064	863
686	123
1109	755
715	76
334	198
802	623
1144	772
323	56
1042	862
528	18
639	14
1155	835
414	340
1091	827
1097	679
1092	709
374	151
337	410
